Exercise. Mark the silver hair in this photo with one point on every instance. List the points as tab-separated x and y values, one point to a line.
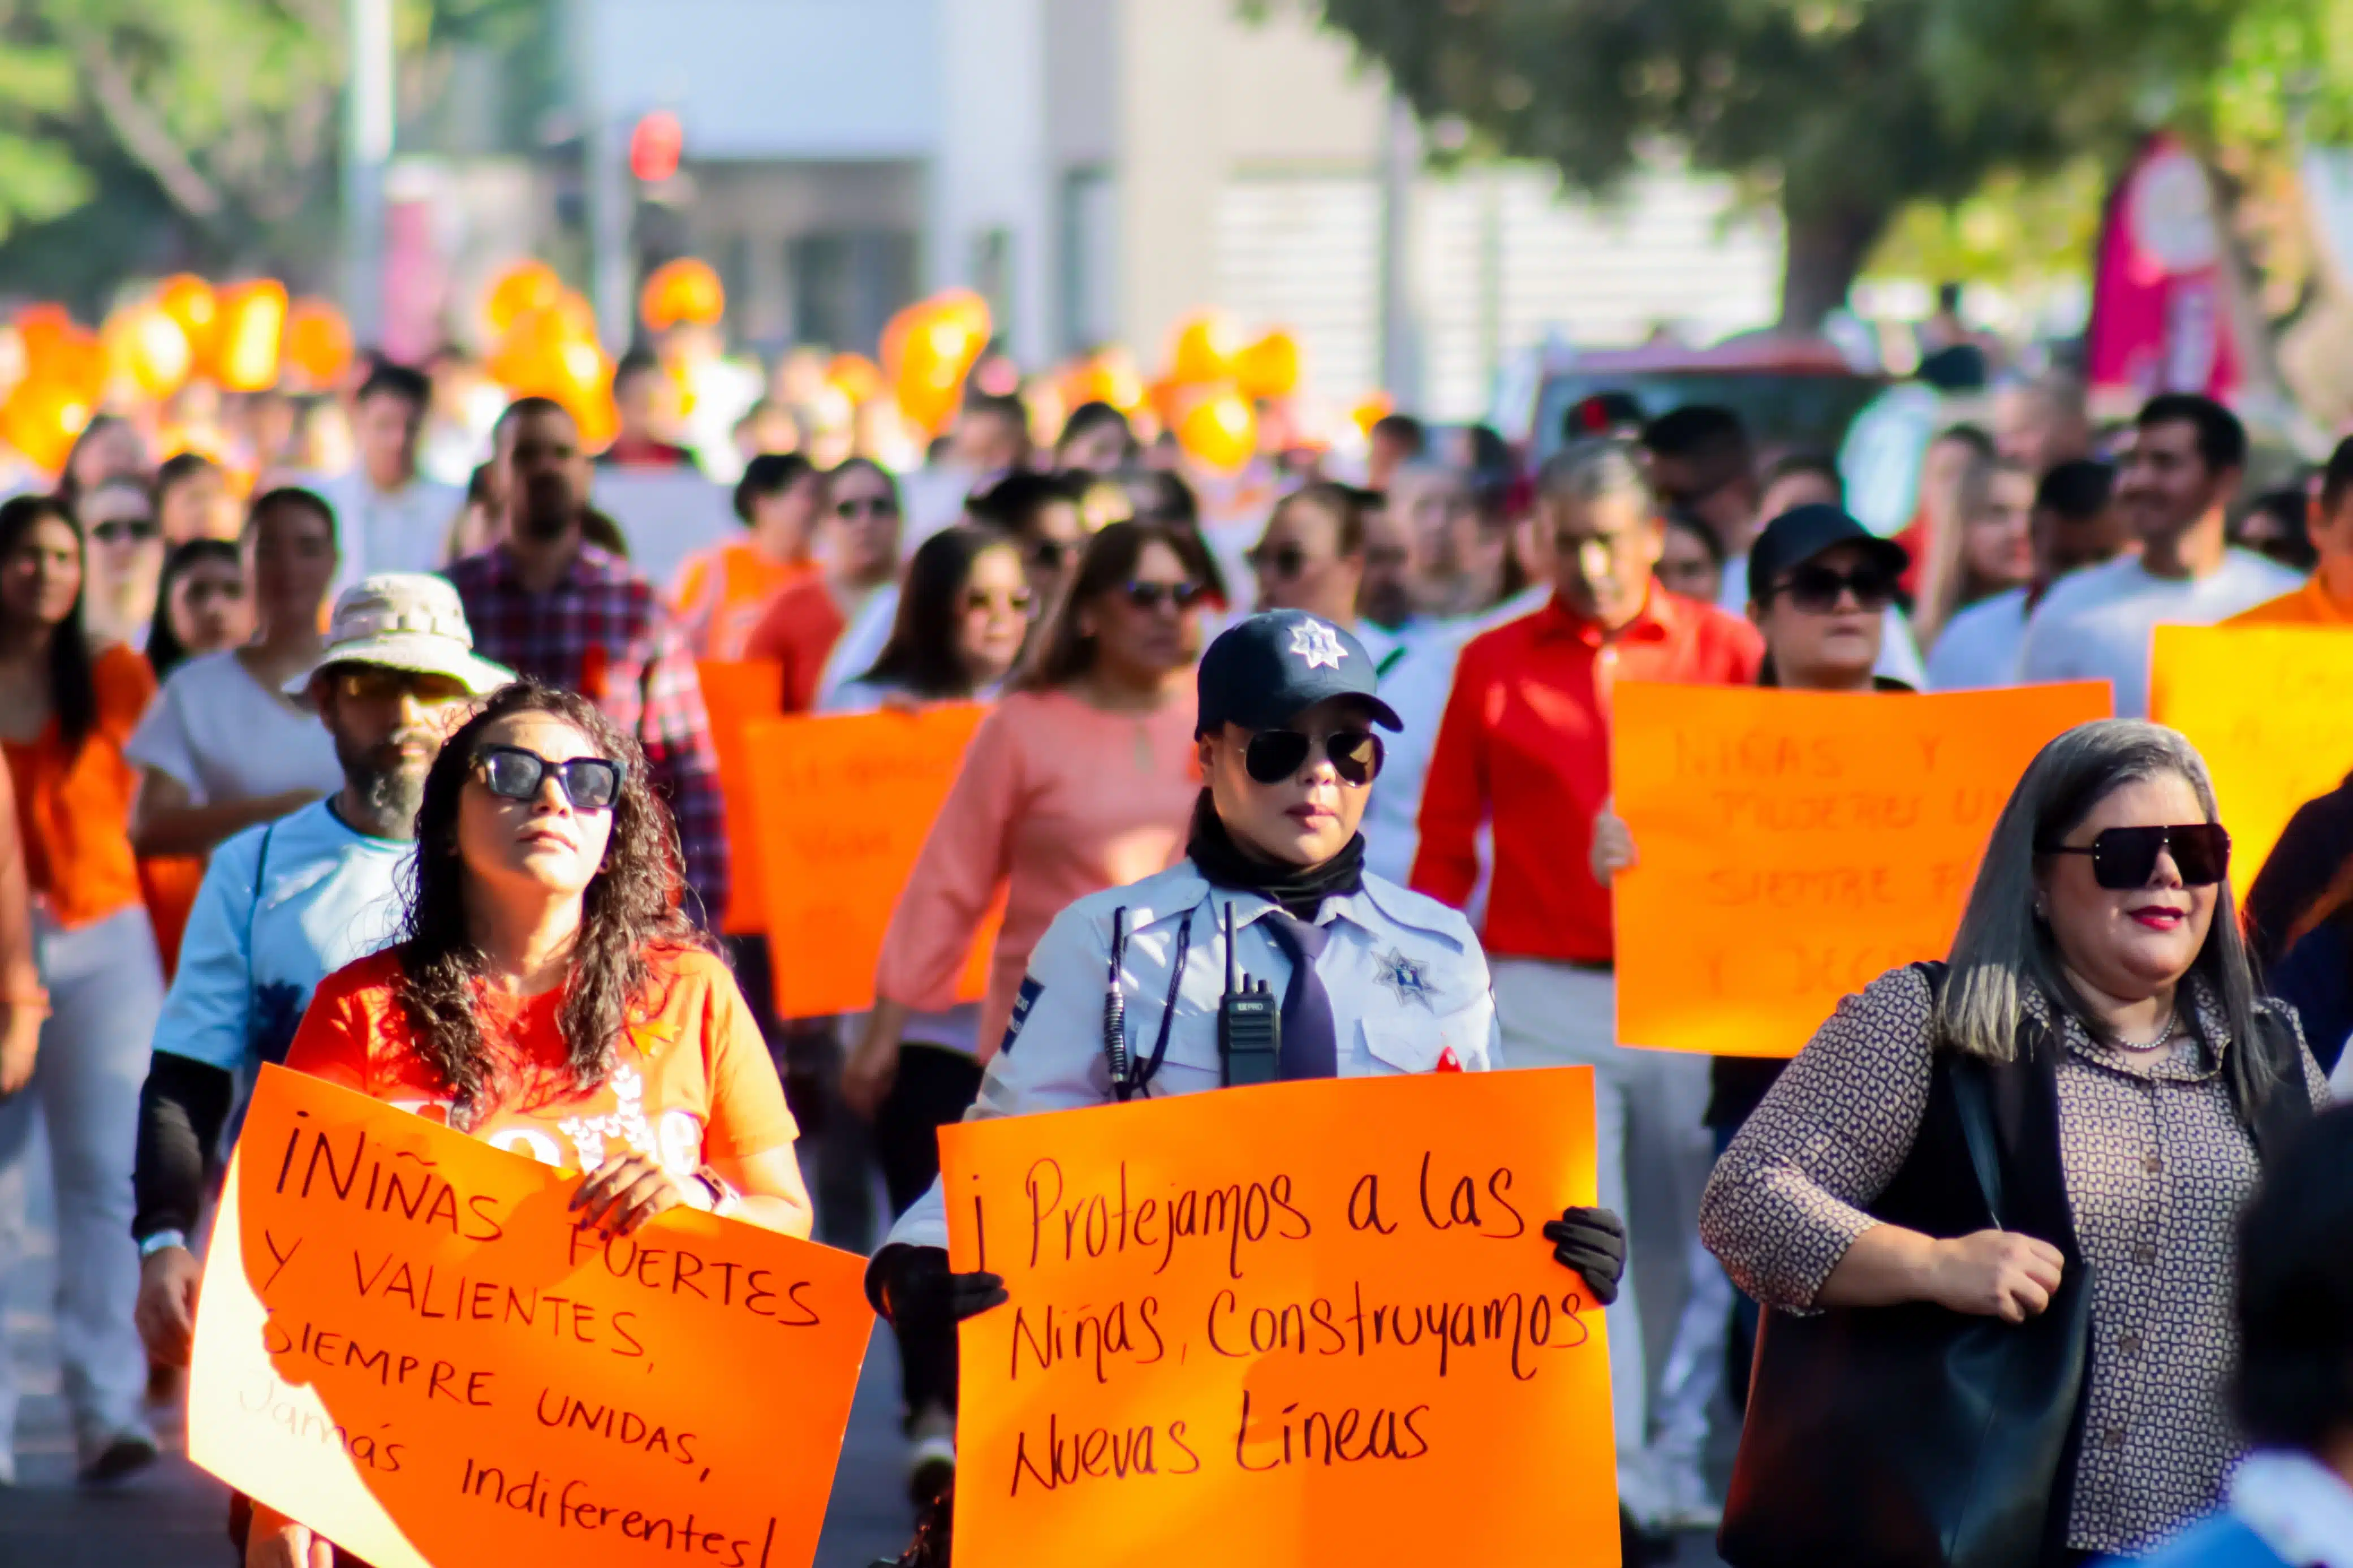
2003	948
1593	471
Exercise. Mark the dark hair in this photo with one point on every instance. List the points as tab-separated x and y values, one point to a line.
177	470
2221	440
1166	499
634	362
865	466
1088	418
2287	507
2293	1386
293	496
1678	521
2337	477
165	652
1708	436
1820	464
477	485
770	473
626	910
525	408
73	690
1060	652
1973	437
1344	502
70	484
2076	490
1404	430
392	379
921	657
1015	503
998	406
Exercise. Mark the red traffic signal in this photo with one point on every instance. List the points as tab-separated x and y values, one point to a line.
654	146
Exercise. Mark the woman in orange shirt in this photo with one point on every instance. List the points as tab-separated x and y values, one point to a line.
722	593
549	998
65	714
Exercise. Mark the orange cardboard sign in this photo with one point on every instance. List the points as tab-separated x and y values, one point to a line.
2266	706
841	804
1303	1323
406	1343
736	694
1793	846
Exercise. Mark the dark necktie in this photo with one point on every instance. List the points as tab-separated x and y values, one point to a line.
1309	1042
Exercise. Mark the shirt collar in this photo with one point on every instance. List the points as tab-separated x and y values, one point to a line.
2325	608
1656	621
2300	1508
2198	1058
588	564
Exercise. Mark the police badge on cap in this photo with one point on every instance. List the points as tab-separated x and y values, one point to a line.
1263	669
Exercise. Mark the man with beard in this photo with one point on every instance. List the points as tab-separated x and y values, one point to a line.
550	603
287	903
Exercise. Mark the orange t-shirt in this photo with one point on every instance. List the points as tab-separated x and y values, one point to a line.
694	1083
75	809
722	594
798	630
2309	606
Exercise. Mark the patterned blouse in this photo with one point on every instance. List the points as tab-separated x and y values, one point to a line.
2156	1167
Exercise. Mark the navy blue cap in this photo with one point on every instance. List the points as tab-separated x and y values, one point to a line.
1265	668
1802	532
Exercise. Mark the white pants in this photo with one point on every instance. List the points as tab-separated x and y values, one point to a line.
1652	1153
106	987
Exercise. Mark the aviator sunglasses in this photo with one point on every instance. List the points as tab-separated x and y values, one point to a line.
2123	858
1150	596
1274	755
1816	589
590	783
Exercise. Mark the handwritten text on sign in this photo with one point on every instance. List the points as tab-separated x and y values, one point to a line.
1793	846
1309	1322
406	1343
2266	706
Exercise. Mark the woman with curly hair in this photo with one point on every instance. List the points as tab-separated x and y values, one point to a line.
548	997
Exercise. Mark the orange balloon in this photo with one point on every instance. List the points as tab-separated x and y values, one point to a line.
146	347
252	328
1219	430
1206	345
1108	376
531	360
928	348
682	290
40	419
597	415
318	342
516	292
1370	410
189	301
855	376
1268	367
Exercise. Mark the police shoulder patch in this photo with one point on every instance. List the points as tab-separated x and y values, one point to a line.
1030	988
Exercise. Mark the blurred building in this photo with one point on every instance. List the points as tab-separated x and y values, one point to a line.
1098	168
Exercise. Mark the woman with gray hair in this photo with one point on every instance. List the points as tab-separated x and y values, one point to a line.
1992	1201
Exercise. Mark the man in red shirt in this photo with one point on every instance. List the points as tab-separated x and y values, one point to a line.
1524	751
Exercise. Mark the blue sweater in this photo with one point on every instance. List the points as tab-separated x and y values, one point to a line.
2219	1543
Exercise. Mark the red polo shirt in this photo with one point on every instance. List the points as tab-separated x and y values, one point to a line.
1525	745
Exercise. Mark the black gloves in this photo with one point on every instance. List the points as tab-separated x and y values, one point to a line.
913	1284
1593	1243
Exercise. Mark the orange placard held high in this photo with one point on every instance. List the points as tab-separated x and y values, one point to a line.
1299	1324
1793	846
841	804
737	693
405	1343
2266	706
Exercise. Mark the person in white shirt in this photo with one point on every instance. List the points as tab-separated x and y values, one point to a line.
393	518
2072	525
2175	490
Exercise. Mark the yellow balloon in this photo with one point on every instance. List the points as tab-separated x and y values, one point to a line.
1268	367
1219	430
148	348
1206	345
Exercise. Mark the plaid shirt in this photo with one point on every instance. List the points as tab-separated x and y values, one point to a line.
603	633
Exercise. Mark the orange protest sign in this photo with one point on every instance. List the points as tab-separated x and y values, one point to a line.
736	693
1303	1323
2266	708
406	1343
841	806
1793	846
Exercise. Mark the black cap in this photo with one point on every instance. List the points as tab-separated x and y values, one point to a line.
1802	532
1263	669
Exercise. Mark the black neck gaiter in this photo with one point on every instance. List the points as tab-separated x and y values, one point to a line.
1299	890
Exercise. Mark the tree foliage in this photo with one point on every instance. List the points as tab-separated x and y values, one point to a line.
1843	109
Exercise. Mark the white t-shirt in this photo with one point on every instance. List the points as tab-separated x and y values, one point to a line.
2096	624
861	642
218	732
1979	647
407	531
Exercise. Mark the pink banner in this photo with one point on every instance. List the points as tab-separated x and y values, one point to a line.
2159	322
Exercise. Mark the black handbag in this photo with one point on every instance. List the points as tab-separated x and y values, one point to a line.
1913	1436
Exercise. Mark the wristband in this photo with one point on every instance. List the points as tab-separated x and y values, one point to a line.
37	999
156	1241
725	1198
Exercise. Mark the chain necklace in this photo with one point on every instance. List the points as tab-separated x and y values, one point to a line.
2164	1036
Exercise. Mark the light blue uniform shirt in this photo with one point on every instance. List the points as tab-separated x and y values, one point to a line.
1405	973
282	907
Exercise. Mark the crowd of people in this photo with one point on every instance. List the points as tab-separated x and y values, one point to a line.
413	787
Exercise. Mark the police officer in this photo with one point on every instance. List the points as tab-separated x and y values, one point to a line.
1155	988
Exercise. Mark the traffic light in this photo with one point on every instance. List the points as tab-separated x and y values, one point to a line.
655	143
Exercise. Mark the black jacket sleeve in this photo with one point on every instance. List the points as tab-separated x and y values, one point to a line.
181	1109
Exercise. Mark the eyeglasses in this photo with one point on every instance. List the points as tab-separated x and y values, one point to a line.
1017	600
2127	857
1284	560
1274	755
865	505
124	530
379	683
1048	554
1816	589
1149	596
590	783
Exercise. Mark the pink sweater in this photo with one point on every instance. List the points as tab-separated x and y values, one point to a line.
1056	800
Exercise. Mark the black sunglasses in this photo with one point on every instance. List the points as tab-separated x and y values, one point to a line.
2127	857
116	530
590	783
1274	755
880	506
1281	560
1152	596
1816	589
